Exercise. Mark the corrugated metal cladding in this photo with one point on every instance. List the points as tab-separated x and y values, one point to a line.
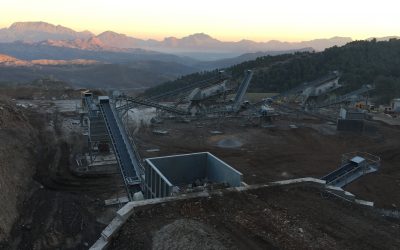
162	174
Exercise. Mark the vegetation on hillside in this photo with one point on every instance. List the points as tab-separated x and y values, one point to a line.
359	62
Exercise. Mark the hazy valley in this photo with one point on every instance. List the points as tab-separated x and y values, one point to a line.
112	60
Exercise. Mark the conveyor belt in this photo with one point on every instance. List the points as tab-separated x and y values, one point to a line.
242	90
150	101
89	104
346	97
137	101
127	159
340	173
200	84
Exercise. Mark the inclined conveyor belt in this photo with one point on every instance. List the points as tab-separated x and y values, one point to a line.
242	90
127	159
149	103
340	172
89	104
346	97
200	84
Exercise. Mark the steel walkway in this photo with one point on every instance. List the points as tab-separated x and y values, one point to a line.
127	159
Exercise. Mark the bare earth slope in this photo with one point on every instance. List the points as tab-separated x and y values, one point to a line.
17	148
266	218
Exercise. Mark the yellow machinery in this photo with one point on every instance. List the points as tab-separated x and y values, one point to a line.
364	106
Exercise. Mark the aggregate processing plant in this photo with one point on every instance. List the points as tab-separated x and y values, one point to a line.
111	143
167	176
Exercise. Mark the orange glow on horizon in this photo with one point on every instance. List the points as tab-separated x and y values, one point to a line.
256	20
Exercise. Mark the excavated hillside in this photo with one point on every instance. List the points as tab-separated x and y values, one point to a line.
18	149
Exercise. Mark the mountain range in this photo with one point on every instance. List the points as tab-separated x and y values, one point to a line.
32	50
60	36
39	31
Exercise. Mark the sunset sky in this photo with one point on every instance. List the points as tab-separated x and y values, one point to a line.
258	20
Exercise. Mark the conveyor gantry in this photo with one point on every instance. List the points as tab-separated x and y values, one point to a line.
346	97
200	84
150	101
137	101
242	90
299	89
127	159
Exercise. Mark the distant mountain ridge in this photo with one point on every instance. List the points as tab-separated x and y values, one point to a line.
116	40
9	61
224	63
39	31
34	32
92	43
91	73
44	50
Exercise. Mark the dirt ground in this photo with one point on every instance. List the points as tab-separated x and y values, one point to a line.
266	218
313	149
65	211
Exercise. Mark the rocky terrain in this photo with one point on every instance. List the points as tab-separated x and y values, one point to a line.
19	149
266	218
44	205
